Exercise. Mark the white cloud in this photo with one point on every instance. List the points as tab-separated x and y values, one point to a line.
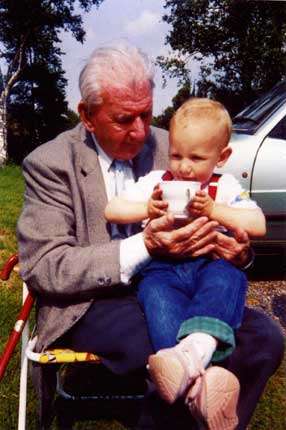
90	33
144	23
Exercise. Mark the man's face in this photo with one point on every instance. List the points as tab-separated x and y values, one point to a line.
121	123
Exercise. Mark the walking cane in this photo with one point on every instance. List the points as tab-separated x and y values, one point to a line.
21	320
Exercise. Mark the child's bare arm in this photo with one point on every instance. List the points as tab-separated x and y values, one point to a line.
250	220
122	211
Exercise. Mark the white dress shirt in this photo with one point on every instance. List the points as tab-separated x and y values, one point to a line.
133	253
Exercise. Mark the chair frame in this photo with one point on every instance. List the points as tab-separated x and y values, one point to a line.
21	331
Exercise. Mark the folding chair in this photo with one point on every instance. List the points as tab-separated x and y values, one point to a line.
49	357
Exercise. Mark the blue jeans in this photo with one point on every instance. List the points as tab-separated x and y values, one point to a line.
179	298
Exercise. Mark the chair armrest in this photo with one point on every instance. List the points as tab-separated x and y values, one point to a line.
21	319
8	267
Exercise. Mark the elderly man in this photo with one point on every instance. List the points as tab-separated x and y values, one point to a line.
82	269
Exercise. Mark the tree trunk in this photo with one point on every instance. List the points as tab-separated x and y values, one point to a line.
3	131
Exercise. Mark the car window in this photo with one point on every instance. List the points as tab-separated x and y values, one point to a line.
252	117
279	131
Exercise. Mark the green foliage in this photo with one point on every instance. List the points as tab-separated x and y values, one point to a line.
182	95
163	120
38	109
34	81
243	43
72	118
29	19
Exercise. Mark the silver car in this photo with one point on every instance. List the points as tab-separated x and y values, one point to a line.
259	160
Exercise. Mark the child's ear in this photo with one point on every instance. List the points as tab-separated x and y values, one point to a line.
224	156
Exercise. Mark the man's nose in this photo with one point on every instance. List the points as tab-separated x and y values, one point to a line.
138	129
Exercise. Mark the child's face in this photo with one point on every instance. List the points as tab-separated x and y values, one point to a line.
196	150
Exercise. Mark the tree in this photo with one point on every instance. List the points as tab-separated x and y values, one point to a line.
243	44
72	118
37	108
182	95
29	35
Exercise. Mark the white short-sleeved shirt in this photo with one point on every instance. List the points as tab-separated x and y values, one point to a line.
229	190
133	253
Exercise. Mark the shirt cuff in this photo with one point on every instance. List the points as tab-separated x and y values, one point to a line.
133	256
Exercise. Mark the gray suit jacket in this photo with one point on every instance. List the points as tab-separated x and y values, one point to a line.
66	254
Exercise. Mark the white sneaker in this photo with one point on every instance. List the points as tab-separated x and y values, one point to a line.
213	399
174	369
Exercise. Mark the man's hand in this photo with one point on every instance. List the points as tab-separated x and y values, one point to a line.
201	204
156	207
234	249
194	239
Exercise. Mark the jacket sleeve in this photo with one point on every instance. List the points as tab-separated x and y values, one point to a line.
52	261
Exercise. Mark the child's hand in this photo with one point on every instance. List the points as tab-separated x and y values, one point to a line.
156	206
201	205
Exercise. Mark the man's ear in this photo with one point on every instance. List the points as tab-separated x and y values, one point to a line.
224	156
85	116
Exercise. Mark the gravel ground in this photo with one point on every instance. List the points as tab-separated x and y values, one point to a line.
267	288
269	297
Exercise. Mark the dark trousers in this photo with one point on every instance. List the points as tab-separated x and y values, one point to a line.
116	330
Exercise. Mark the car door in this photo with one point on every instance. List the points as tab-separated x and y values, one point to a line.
268	183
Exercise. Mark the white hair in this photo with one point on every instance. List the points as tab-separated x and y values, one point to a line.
116	65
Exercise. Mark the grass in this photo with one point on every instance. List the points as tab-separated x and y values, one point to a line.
11	197
271	410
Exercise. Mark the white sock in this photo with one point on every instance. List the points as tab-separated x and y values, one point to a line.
204	343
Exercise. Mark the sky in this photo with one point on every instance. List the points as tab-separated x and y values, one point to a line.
138	21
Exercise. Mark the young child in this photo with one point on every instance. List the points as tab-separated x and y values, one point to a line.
198	302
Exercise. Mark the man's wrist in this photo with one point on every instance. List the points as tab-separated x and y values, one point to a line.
250	259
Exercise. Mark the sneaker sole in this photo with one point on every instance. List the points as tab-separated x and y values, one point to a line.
166	373
215	406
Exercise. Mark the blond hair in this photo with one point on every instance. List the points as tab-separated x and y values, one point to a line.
203	109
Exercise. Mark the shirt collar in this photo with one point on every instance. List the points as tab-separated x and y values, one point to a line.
105	160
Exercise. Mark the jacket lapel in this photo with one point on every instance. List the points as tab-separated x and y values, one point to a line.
93	190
